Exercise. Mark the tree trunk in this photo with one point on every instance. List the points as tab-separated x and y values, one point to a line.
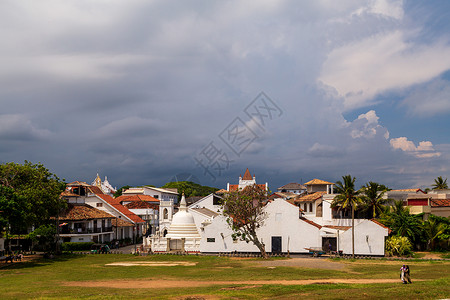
353	231
261	247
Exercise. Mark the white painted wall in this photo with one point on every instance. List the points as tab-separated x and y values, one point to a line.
282	221
369	239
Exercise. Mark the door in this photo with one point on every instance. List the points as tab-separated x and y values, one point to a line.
276	244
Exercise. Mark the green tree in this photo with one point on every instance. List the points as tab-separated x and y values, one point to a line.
119	192
244	211
29	195
190	189
440	184
347	198
372	196
401	222
44	236
434	231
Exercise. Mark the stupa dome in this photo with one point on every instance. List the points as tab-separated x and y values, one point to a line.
183	224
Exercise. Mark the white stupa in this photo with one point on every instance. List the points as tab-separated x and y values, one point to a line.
183	224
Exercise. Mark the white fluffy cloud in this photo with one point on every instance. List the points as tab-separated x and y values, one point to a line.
425	149
361	70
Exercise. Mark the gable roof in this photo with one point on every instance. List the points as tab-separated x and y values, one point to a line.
235	187
409	190
122	209
310	222
338	227
318	182
83	212
247	175
292	186
141	205
309	197
205	211
380	224
137	198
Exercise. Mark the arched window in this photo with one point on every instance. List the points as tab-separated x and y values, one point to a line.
164	232
166	213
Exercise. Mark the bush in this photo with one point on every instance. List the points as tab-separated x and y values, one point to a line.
70	246
398	245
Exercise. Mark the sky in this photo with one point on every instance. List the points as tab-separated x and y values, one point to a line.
147	92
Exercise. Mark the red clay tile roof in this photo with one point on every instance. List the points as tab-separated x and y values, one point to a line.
440	202
120	223
317	182
408	190
137	197
247	175
141	205
338	227
78	183
310	222
83	212
309	197
116	204
234	187
221	191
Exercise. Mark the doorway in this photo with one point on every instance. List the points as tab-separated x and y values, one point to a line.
276	244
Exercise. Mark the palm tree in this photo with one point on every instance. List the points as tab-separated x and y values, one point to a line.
433	231
440	184
372	196
347	197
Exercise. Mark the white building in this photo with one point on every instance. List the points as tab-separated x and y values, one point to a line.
162	194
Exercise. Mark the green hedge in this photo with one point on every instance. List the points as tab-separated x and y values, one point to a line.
70	246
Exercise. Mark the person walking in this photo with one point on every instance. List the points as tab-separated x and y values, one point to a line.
402	274
407	274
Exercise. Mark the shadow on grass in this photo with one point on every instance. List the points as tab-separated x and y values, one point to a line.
39	262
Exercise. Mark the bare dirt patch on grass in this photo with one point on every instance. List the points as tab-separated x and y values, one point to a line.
314	263
163	284
152	263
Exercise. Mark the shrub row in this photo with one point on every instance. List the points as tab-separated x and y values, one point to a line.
70	246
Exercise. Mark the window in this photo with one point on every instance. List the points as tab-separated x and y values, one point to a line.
278	217
99	204
166	214
310	207
211	240
155	196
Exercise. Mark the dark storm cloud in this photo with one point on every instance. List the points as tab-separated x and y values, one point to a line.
135	90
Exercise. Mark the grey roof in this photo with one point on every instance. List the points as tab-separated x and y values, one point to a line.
205	211
293	186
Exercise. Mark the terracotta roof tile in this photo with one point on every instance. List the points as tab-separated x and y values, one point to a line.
338	227
83	212
309	197
310	222
440	202
137	197
141	205
247	175
317	182
116	204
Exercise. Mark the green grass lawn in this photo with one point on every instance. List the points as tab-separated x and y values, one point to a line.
46	279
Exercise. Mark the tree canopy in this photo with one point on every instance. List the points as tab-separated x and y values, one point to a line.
372	196
440	184
29	195
347	197
190	188
244	210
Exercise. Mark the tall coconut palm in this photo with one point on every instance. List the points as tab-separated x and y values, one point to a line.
440	184
372	195
433	231
347	197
